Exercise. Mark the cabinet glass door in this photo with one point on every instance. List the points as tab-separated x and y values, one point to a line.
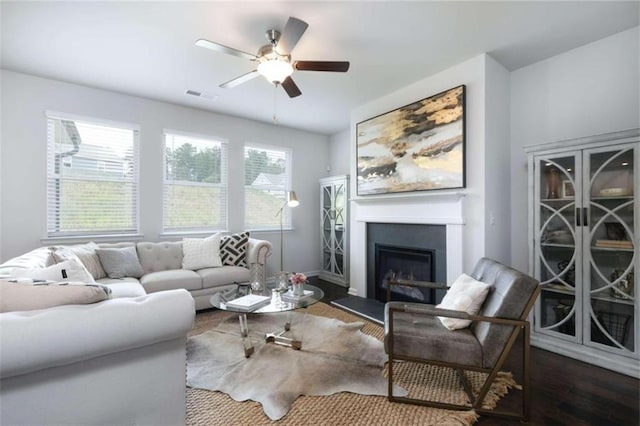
609	297
557	245
327	219
339	229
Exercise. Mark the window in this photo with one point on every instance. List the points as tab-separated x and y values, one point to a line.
195	183
267	178
88	191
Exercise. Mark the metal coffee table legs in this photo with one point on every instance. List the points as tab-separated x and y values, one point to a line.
244	332
276	338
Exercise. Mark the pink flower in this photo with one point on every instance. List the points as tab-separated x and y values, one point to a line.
298	278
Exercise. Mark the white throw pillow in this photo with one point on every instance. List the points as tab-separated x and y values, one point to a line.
465	294
69	270
201	252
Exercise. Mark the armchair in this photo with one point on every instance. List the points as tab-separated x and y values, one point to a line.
414	334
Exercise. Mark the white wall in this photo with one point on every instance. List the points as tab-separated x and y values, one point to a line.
496	162
590	90
339	153
23	163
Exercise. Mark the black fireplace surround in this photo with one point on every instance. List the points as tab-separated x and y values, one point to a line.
408	251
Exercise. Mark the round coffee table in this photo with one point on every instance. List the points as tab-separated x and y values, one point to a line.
276	303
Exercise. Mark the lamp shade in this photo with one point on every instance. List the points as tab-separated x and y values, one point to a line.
292	200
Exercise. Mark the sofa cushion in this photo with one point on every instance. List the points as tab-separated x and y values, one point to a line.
168	280
120	262
233	249
69	270
37	258
86	253
156	257
201	252
216	277
25	297
123	287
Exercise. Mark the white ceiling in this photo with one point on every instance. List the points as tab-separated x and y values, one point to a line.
147	49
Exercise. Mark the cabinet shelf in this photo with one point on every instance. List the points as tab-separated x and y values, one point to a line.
556	245
563	290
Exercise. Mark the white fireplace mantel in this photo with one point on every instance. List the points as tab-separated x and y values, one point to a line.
446	211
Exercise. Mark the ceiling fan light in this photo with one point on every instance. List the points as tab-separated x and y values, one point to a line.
275	70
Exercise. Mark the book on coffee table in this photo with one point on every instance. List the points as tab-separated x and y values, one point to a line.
290	297
248	302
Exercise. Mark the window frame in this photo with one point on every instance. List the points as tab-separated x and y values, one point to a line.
224	183
287	223
135	232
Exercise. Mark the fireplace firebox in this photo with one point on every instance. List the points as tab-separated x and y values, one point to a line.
396	262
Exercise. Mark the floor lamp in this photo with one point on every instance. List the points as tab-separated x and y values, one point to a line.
292	201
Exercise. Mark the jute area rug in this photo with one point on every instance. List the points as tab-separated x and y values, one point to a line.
217	408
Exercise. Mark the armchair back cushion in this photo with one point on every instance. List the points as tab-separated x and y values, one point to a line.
508	298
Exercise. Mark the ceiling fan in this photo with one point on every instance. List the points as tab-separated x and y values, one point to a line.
274	59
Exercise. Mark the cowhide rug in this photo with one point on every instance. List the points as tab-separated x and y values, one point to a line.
335	357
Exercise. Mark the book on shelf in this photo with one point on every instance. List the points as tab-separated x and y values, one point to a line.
614	244
248	302
290	297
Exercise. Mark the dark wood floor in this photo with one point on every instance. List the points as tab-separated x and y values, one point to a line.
563	391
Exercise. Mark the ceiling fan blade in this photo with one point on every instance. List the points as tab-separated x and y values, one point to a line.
321	66
224	49
291	34
291	88
239	80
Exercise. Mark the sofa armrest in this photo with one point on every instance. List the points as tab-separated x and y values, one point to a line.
45	338
258	251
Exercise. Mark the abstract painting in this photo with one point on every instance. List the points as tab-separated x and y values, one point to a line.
417	147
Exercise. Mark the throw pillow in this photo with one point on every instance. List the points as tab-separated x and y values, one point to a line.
201	252
120	262
69	270
233	249
465	294
86	253
20	297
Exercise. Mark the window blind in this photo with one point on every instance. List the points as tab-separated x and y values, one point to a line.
92	178
267	178
195	183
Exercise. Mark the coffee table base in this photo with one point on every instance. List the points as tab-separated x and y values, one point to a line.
275	338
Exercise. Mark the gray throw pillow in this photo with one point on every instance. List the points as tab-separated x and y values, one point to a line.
120	262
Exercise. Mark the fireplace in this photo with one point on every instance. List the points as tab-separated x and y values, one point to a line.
395	262
411	251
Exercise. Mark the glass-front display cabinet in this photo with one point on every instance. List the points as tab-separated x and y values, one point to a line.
334	221
584	237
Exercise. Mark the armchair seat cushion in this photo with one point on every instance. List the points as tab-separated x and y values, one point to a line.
422	336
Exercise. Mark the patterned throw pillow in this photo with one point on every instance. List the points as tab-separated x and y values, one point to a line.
233	249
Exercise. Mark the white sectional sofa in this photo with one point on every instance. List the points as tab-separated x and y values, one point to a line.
162	266
117	362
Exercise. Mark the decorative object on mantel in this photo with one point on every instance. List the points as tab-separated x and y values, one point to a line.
417	147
